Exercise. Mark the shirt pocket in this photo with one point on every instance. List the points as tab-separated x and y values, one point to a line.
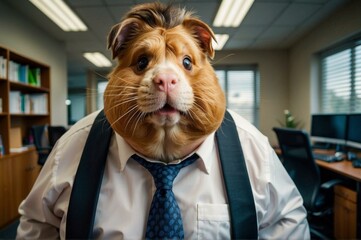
213	221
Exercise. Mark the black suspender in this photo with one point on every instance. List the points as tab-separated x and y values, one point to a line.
87	183
238	186
88	180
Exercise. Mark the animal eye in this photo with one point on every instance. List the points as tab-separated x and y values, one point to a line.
142	63
187	63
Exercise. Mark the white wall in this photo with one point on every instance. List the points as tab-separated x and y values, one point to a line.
303	60
20	36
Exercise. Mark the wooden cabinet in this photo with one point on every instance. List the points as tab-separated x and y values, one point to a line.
18	173
24	102
6	191
345	213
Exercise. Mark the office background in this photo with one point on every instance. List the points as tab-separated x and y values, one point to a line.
288	77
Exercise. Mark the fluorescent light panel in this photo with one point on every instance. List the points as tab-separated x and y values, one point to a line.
60	14
221	40
232	12
97	59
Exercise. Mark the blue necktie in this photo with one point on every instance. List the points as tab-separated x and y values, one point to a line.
164	220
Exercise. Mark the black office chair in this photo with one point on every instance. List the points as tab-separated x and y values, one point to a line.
300	164
55	132
41	142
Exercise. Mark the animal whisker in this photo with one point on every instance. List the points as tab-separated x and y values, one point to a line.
123	86
130	118
127	112
142	114
119	103
119	94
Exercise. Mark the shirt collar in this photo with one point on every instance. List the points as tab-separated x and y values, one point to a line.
204	152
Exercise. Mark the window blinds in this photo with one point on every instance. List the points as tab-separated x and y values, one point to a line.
341	80
242	92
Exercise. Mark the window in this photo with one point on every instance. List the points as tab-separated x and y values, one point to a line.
242	91
100	92
341	79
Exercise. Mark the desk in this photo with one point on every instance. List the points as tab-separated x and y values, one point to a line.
345	169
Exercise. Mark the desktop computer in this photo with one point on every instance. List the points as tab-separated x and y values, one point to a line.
329	131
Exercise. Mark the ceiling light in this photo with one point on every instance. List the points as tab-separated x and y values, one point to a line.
98	59
221	40
232	12
60	14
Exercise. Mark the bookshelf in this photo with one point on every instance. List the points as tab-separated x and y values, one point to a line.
25	98
25	101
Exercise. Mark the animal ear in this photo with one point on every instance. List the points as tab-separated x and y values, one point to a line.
203	33
119	35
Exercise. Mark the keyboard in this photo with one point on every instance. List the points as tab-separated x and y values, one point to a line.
327	157
356	163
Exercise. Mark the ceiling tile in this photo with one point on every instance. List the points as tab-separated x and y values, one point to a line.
310	1
119	2
276	32
264	13
117	12
297	13
234	43
92	16
205	14
82	3
247	32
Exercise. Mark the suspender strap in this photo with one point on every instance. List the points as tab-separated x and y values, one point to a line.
87	183
238	187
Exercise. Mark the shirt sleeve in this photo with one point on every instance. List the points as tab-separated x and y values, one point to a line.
43	212
38	219
285	217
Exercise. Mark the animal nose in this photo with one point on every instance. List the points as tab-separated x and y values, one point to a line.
165	82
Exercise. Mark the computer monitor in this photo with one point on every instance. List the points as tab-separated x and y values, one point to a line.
354	131
329	128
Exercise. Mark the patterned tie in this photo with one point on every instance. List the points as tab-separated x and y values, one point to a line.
164	220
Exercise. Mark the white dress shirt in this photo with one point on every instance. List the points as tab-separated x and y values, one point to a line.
127	191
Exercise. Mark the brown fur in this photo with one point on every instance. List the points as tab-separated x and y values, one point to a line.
165	35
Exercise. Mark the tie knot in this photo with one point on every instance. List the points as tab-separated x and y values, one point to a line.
164	175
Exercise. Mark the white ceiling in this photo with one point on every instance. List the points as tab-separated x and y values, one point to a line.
270	24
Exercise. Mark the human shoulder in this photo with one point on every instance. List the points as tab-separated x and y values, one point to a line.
256	148
247	131
80	129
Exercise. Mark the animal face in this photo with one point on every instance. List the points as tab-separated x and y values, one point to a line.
163	94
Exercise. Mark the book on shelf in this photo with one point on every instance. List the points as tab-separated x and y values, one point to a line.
34	77
34	103
15	101
24	74
3	64
38	103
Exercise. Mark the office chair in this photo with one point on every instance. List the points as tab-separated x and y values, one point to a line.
54	133
300	164
41	142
